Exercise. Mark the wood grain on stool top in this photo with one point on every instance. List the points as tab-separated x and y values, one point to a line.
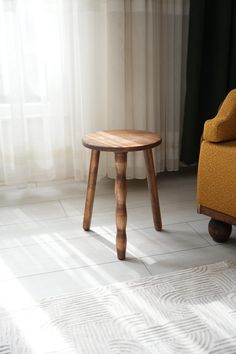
121	140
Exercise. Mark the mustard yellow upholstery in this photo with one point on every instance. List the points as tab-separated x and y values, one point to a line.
217	177
216	187
223	126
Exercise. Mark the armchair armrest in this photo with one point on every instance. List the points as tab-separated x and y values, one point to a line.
223	126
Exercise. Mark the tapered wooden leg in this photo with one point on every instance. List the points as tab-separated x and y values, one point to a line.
93	170
152	184
121	214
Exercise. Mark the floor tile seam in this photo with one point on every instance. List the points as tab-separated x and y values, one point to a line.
149	205
84	236
199	233
53	241
43	242
36	220
134	258
178	251
46	201
88	234
61	204
108	210
160	179
58	182
14	186
105	211
30	203
67	215
9	205
80	215
148	270
163	225
69	198
69	269
64	217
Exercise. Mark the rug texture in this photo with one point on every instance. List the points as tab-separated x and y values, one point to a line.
189	311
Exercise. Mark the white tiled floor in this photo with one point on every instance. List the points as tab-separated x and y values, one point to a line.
44	250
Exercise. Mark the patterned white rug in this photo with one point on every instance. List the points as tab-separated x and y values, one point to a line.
190	311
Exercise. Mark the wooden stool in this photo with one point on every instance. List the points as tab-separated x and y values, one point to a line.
121	142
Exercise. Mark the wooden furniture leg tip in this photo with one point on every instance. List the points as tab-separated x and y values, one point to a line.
121	242
121	255
86	228
219	230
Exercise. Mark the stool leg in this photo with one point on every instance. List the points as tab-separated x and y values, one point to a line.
152	184
93	170
121	214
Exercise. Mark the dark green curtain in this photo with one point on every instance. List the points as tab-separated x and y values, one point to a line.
211	67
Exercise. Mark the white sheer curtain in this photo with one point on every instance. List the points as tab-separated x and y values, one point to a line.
68	67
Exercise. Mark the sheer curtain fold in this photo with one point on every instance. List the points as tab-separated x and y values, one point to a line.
70	67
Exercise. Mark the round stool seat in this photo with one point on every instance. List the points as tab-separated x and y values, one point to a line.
121	140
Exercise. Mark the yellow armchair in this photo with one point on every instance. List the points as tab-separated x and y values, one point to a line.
216	186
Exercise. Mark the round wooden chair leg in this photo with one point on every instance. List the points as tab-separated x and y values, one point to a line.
92	179
121	213
152	184
220	231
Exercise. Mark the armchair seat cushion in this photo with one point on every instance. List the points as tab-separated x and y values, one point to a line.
217	176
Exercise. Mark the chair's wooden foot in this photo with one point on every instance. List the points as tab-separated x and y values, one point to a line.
152	184
121	213
121	242
93	170
220	231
